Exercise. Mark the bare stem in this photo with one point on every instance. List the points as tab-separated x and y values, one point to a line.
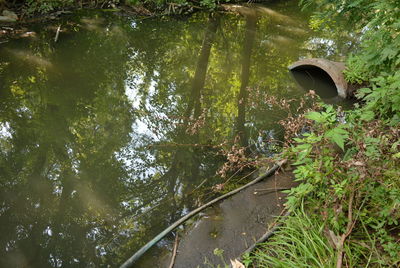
349	228
171	264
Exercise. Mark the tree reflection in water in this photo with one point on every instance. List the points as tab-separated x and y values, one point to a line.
106	134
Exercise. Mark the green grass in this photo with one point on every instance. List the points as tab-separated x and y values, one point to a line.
300	242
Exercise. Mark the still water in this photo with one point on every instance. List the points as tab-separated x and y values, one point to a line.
107	133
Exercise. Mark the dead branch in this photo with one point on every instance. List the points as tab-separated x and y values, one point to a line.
171	264
349	228
269	190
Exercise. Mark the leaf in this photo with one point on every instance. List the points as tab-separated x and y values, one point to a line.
388	53
246	259
338	135
317	117
362	92
218	252
367	116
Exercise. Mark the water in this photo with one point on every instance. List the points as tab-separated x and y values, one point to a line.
106	134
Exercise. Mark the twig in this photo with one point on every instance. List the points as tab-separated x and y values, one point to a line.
57	33
102	5
244	177
269	190
236	172
349	228
171	264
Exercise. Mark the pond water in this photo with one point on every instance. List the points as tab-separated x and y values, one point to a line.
112	132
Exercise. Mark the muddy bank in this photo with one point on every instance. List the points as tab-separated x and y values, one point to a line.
233	225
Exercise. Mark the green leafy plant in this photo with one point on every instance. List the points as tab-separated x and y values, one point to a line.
348	174
246	259
219	253
45	6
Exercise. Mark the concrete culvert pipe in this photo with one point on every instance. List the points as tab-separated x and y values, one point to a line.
332	68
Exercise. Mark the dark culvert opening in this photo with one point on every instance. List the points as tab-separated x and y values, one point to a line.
314	78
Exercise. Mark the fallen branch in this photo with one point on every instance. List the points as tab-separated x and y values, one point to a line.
171	264
269	190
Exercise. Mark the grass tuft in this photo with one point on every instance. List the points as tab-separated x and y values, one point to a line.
299	242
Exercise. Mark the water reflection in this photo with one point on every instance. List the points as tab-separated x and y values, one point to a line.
106	135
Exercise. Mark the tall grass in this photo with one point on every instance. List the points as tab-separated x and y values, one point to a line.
300	242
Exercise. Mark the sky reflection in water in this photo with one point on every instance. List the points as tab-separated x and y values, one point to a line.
105	134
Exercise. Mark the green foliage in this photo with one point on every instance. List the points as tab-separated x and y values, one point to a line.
31	7
377	61
360	180
209	3
246	259
337	135
327	120
34	7
219	253
383	98
353	192
45	6
300	242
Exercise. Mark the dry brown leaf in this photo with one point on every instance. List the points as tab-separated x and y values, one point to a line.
237	264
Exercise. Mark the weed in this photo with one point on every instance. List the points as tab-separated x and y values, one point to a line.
300	242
